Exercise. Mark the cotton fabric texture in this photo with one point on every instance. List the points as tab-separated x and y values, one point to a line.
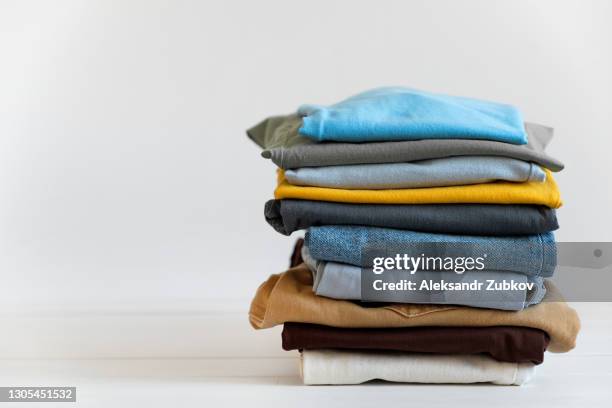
499	192
342	281
319	367
397	113
287	216
502	343
451	171
533	255
288	297
282	144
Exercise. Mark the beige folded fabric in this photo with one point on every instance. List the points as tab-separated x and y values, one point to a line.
288	297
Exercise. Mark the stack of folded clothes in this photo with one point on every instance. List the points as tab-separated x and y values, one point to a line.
396	169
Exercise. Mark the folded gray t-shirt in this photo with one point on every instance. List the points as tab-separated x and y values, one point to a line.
286	216
449	171
279	138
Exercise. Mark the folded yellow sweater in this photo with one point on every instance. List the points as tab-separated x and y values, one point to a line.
499	192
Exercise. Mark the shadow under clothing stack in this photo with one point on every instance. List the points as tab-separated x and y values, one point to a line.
402	168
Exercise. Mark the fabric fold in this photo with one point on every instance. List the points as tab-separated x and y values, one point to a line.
288	297
287	216
532	255
499	192
502	343
320	367
452	171
398	113
341	281
278	137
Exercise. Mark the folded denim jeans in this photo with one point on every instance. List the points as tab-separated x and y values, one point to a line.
319	367
532	255
341	281
287	216
278	137
398	113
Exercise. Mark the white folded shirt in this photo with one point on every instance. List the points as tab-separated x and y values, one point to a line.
356	367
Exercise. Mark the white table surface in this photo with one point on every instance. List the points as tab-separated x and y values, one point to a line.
578	379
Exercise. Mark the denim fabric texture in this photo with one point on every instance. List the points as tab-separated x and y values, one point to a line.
532	255
343	281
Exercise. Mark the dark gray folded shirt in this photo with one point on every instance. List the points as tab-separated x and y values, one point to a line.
286	216
279	138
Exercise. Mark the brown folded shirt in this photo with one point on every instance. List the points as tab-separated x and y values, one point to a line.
288	297
503	343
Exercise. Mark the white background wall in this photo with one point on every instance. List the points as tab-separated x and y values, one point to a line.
126	180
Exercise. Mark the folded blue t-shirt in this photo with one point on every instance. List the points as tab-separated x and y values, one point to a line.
393	114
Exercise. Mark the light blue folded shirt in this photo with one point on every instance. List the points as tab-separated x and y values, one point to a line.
342	281
531	255
449	171
396	113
